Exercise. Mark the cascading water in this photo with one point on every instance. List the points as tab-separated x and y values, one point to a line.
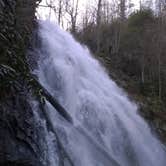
107	131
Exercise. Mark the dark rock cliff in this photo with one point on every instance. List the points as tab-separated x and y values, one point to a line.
21	134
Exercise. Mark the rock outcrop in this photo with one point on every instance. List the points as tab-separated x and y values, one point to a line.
21	134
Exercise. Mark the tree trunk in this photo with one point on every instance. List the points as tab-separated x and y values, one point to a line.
98	21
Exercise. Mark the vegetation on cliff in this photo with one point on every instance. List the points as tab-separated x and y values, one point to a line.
17	21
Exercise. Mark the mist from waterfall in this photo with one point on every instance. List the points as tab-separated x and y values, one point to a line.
107	129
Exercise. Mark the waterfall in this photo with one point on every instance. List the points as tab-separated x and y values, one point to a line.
107	129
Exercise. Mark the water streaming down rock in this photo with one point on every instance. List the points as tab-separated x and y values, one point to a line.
107	130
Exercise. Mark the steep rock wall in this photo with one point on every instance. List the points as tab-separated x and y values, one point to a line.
21	135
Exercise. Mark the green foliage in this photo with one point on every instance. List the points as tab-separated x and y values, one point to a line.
138	20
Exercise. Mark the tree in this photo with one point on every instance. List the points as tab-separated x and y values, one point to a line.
72	11
60	11
160	6
49	3
98	22
122	11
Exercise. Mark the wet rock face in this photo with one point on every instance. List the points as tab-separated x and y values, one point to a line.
21	135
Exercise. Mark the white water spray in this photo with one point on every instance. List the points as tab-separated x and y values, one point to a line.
107	130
